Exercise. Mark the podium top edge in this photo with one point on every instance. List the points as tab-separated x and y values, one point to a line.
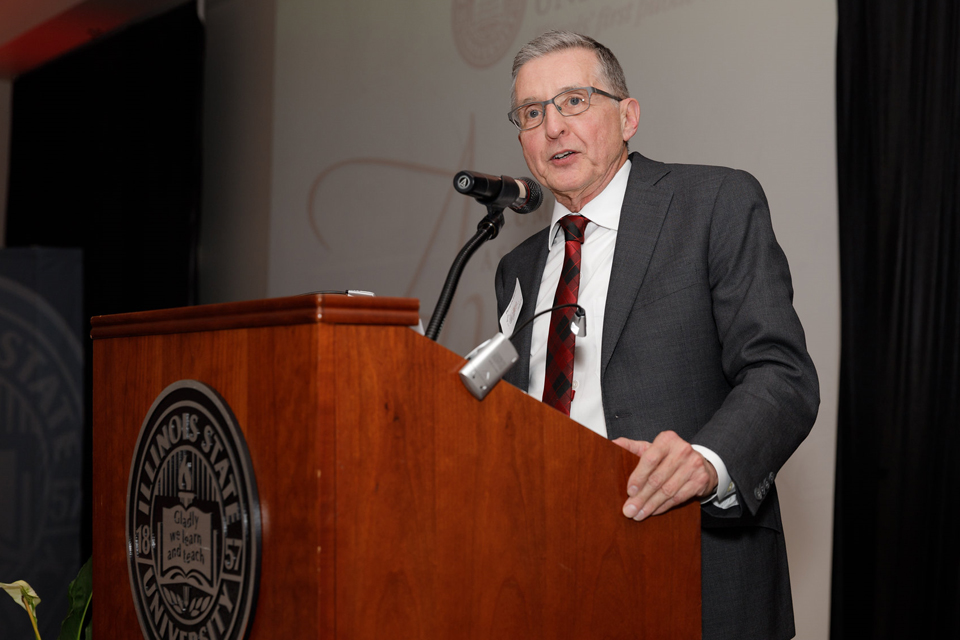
305	309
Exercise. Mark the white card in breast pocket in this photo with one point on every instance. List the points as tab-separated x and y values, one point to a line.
509	318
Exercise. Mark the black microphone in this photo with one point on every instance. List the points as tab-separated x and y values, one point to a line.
523	195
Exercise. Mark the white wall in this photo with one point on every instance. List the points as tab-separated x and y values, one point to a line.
332	142
238	137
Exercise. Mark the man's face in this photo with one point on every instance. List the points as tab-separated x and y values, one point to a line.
575	156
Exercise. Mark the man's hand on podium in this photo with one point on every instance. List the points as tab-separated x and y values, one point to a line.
670	473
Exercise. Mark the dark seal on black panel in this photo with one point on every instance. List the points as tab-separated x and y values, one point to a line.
193	519
41	445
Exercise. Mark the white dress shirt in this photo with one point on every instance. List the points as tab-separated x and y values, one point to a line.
596	263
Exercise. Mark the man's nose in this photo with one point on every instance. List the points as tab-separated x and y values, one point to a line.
553	121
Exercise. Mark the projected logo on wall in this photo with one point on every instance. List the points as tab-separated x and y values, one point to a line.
193	519
484	30
597	18
413	249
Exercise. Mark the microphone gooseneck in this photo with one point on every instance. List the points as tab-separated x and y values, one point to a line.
522	195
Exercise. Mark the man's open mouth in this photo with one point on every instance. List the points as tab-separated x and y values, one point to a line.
562	155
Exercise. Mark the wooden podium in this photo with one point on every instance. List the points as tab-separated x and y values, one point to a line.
393	503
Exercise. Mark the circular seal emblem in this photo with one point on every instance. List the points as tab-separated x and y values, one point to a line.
483	31
41	444
193	519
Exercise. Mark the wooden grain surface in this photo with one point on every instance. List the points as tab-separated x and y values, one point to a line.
305	309
466	519
266	376
393	502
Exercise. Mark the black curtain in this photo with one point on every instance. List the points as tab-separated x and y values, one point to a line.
896	563
105	155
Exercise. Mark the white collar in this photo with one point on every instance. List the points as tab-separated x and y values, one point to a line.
603	211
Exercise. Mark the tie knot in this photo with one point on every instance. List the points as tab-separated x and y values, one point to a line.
573	227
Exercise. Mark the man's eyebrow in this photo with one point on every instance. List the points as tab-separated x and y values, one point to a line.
520	103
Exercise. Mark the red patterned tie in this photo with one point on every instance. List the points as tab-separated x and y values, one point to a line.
557	386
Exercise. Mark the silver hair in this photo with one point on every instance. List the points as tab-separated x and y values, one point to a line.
552	41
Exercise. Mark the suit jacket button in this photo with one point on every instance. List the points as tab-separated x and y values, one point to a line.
758	493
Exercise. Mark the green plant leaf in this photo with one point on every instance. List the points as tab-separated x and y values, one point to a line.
23	594
79	594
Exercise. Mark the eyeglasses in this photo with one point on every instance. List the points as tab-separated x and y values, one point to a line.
572	102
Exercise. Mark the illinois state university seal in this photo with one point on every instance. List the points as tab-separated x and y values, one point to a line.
483	30
41	440
193	519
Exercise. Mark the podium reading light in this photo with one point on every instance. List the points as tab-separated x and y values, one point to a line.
491	360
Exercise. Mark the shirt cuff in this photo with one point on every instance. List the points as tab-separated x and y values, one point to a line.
726	494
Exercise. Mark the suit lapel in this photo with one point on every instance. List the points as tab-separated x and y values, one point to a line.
531	259
641	218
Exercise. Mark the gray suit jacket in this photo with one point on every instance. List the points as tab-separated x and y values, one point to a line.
700	337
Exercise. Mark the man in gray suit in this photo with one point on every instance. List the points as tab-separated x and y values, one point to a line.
695	359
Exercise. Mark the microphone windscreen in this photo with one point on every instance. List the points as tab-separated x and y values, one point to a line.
534	196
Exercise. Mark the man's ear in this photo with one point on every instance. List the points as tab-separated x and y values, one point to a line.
629	117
